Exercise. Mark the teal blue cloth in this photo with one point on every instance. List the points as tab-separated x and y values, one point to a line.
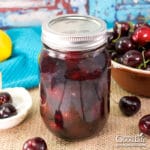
22	69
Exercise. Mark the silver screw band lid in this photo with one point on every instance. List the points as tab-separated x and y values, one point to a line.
74	33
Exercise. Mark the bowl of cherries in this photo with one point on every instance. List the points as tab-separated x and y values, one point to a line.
129	47
15	103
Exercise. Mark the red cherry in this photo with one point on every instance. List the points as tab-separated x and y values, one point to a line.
124	44
129	105
7	110
5	97
36	143
141	36
132	58
144	124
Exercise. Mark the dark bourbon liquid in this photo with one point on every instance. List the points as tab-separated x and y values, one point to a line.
74	91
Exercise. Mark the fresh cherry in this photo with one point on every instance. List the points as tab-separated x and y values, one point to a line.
129	105
36	143
141	36
130	45
124	44
132	58
144	124
5	97
122	28
7	110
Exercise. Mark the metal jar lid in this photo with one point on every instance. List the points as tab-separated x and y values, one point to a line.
74	33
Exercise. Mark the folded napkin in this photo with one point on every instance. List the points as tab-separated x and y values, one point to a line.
22	68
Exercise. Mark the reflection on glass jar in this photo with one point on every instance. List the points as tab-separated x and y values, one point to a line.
75	82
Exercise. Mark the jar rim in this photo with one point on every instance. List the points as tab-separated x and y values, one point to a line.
74	32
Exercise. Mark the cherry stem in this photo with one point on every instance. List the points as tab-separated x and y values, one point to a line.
81	100
140	66
131	26
62	96
119	31
114	41
144	59
95	87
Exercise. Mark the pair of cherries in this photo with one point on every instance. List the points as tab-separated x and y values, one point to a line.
130	105
6	107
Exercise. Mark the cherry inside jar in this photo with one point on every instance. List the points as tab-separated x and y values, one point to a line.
74	88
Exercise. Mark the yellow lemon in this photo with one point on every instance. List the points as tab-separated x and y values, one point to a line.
5	46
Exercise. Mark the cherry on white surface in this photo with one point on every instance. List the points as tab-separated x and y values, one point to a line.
22	102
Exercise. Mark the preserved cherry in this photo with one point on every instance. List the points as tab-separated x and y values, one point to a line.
76	92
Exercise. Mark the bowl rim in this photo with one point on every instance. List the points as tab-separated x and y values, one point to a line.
135	70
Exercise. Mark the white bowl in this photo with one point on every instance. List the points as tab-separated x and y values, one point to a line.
22	102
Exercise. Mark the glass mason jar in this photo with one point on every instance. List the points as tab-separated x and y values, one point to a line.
74	76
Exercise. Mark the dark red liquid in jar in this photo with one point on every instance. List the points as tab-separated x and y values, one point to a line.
74	91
